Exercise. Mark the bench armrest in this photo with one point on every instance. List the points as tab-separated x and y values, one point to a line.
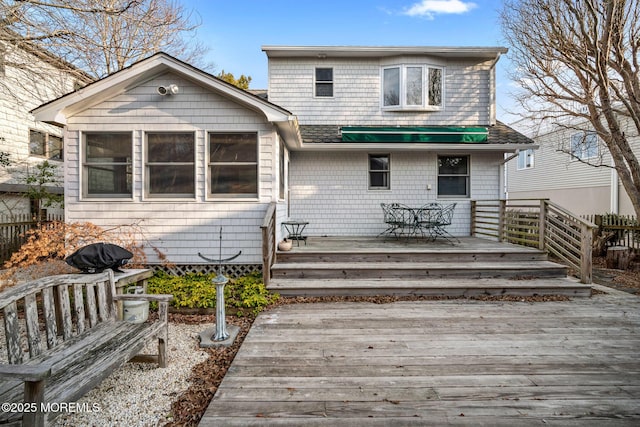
25	372
143	297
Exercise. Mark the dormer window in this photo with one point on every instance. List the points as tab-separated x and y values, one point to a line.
412	87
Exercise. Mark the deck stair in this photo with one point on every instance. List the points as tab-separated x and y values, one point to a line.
365	267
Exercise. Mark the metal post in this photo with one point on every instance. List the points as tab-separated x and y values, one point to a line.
220	337
221	320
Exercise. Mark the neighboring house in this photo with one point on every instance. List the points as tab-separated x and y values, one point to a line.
28	77
344	128
572	168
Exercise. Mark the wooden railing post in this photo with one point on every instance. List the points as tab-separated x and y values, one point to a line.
473	218
268	228
585	254
502	210
542	230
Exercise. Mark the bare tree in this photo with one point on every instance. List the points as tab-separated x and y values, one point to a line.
577	60
103	36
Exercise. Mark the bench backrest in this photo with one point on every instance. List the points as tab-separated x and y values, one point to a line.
54	309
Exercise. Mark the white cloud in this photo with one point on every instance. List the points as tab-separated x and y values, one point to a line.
428	8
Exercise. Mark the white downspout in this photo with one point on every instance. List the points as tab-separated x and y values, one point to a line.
615	190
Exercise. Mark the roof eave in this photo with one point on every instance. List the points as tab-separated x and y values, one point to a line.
58	111
289	130
466	148
489	52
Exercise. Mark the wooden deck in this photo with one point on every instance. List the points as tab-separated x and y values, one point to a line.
457	362
361	266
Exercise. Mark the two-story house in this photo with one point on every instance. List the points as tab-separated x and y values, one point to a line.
29	76
182	153
572	167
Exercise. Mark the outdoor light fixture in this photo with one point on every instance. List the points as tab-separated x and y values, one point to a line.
168	90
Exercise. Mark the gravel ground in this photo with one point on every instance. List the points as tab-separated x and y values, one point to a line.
141	394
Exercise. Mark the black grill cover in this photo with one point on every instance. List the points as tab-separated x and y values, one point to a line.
97	257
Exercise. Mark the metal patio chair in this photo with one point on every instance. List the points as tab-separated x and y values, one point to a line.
444	220
427	219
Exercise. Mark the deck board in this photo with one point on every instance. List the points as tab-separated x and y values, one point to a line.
437	363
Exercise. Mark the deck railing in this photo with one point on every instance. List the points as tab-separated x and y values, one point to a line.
537	223
268	242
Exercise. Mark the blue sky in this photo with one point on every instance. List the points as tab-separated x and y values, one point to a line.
235	31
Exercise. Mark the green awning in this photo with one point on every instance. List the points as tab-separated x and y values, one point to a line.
433	134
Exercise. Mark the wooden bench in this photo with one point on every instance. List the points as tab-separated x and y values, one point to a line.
63	338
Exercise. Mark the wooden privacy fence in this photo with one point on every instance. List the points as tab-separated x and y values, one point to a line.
537	223
625	227
13	231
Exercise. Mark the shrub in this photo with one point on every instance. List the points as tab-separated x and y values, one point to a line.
197	291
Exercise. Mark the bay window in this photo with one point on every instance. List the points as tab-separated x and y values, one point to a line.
411	87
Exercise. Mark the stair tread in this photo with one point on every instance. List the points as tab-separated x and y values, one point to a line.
501	265
559	282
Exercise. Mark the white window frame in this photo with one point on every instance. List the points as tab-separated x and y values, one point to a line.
403	102
583	141
84	175
317	82
384	171
525	159
467	177
147	175
211	164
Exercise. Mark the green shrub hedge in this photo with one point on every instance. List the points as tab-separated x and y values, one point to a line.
197	291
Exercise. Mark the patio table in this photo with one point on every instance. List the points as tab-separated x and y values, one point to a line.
295	230
430	219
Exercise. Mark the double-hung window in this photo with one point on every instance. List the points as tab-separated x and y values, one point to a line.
453	176
106	170
324	82
170	164
525	159
379	172
584	145
412	87
44	144
233	164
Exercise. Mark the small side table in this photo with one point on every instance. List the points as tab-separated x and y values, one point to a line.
295	230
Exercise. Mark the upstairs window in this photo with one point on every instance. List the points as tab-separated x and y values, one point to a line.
324	82
584	145
43	144
379	172
412	87
170	164
525	159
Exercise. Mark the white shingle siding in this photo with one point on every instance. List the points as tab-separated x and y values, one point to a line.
21	91
179	228
357	87
579	187
330	190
